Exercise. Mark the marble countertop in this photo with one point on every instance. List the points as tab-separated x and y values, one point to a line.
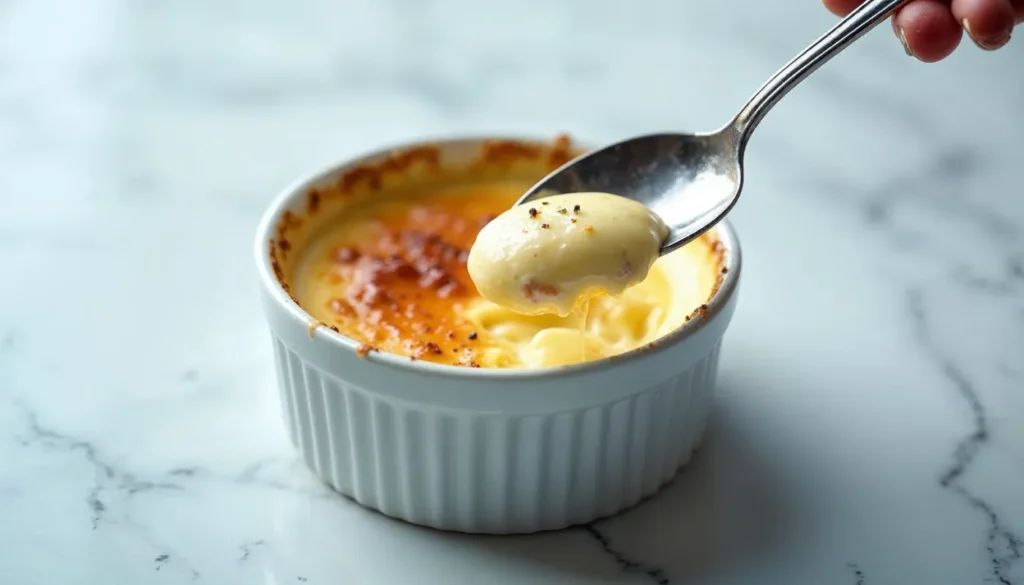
869	425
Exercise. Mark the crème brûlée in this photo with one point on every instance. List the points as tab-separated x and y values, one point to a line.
391	273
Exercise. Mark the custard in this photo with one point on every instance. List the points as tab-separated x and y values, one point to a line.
550	255
390	271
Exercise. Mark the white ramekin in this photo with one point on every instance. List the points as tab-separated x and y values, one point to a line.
481	450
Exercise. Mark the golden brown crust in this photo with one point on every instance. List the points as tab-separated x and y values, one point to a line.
717	254
312	201
397	285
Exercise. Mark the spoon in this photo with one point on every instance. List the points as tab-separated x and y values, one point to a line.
692	180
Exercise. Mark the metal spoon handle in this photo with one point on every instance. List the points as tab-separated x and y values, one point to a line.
855	25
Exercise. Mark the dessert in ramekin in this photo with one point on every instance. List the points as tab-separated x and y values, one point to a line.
405	391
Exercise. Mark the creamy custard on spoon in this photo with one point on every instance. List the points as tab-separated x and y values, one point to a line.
550	255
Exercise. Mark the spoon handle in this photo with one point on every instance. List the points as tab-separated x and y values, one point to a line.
864	18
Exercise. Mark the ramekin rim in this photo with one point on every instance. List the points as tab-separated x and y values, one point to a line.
297	188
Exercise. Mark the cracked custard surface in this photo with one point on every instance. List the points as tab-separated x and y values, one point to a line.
391	272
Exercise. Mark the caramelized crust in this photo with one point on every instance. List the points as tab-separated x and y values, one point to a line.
399	284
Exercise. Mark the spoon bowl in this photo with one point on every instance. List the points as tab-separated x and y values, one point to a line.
690	180
693	180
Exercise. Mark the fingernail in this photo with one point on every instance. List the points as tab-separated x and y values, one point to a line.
903	40
990	44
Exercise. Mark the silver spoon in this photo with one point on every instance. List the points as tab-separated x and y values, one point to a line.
693	180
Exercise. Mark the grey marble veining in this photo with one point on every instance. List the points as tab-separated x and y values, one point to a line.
869	425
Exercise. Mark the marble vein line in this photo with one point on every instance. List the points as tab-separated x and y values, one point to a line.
628	565
998	534
939	186
858	574
246	549
107	479
113	485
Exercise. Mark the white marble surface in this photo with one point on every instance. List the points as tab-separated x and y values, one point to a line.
870	421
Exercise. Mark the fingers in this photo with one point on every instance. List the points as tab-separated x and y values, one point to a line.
988	22
928	29
841	7
932	29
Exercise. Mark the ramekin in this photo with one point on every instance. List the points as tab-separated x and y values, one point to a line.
487	450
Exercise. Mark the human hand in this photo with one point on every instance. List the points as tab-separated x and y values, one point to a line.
931	29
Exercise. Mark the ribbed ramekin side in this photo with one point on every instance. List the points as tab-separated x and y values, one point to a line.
493	473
